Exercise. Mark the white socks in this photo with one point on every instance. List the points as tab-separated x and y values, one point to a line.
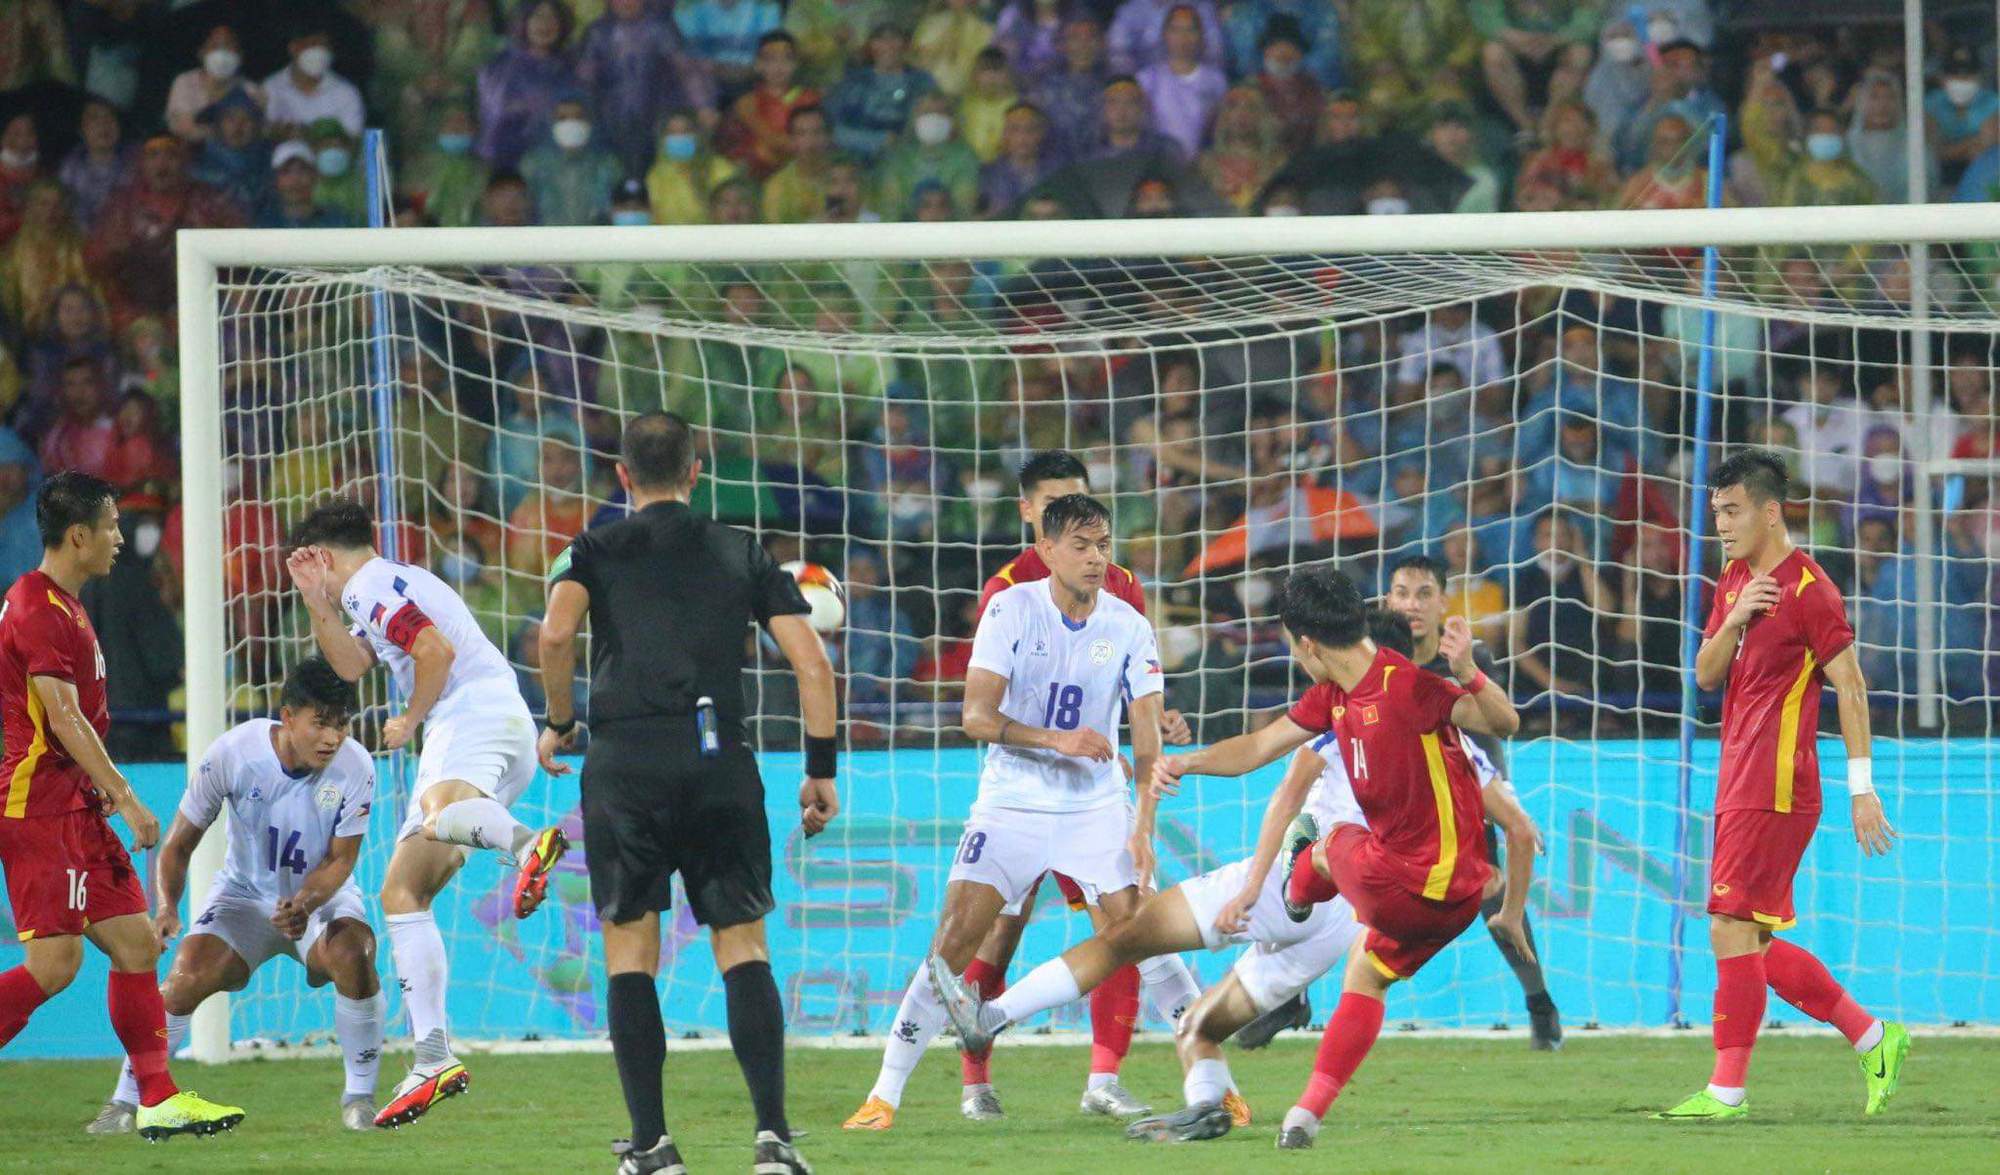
1206	1081
1300	1118
1168	986
1098	1080
1870	1038
919	1018
421	968
128	1085
1048	986
1728	1095
357	1024
483	823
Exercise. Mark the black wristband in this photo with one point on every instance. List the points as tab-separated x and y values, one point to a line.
562	729
820	762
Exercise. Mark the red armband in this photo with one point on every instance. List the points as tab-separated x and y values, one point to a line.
405	626
1477	683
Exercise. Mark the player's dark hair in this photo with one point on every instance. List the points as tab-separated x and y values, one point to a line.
1423	563
1391	630
1760	472
70	498
312	683
1051	465
658	451
1071	511
1321	603
336	522
778	37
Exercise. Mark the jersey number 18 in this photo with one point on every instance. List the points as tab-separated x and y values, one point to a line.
1065	711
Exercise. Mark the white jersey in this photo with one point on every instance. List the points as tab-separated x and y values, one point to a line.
279	824
1061	676
1331	800
391	603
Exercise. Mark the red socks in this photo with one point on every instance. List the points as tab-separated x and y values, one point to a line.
1805	983
1308	887
989	981
1114	1012
20	995
1348	1037
140	1020
1739	1012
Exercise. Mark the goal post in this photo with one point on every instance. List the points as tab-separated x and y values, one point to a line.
1330	295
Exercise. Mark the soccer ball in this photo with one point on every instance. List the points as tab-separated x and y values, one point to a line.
824	593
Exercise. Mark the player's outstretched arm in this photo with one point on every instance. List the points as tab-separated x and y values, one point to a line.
1485	709
1872	830
982	721
431	656
170	869
319	886
1232	756
1523	843
819	799
569	602
1147	719
349	655
79	738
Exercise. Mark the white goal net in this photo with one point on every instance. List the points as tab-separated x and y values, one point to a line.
1516	396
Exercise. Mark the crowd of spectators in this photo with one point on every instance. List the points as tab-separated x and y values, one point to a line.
1537	445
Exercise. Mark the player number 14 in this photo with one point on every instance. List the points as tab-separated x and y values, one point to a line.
292	857
1358	752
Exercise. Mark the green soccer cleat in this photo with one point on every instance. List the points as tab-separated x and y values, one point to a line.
186	1112
1882	1066
1704	1107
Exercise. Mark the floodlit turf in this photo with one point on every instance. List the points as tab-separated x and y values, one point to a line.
1418	1105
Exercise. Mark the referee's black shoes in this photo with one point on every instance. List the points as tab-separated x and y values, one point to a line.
775	1156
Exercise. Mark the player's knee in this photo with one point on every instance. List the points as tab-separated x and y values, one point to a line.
179	997
55	962
402	898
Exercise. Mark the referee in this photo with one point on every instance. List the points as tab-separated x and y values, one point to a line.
668	782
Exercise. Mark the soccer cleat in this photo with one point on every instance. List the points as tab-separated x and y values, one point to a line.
1705	1107
1882	1066
1545	1026
1296	1012
531	885
775	1156
424	1088
187	1112
1197	1123
961	1003
1113	1101
981	1104
358	1113
874	1114
115	1118
1299	838
1239	1110
1295	1138
663	1159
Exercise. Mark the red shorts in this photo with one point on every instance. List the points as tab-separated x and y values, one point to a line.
1071	892
1757	855
1405	929
65	872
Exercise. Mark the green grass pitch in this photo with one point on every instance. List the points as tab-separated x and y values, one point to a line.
1419	1105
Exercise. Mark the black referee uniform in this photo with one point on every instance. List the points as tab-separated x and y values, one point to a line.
671	597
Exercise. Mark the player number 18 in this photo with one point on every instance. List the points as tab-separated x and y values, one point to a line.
1065	710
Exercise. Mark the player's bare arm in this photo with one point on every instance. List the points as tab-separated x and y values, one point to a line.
569	603
1486	709
819	799
1523	842
982	722
170	869
1232	756
318	887
79	738
349	655
1711	661
431	656
1145	721
1279	812
1872	830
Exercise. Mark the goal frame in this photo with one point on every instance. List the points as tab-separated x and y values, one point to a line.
203	253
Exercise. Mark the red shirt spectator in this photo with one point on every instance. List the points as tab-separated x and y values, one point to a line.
83	436
20	166
141	451
132	248
755	135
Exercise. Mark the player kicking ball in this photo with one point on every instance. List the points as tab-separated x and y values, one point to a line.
478	757
1052	660
1777	633
297	789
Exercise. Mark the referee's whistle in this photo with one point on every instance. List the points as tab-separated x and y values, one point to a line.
704	723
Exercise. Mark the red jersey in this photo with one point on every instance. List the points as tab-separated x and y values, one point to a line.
1410	772
1770	701
1027	567
44	632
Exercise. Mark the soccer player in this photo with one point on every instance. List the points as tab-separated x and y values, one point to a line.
1776	635
298	792
1416	590
68	876
478	757
1416	872
1114	1006
1052	660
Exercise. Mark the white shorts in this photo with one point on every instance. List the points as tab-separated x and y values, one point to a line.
244	922
494	752
1284	956
1009	849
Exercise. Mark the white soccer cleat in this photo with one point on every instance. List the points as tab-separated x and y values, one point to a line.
1113	1101
963	1005
358	1113
115	1118
981	1104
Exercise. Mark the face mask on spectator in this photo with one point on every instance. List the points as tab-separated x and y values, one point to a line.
1824	146
1281	210
933	128
1623	50
146	539
221	63
333	160
18	160
1103	473
457	567
1257	592
454	143
1661	29
1280	67
314	62
1884	468
630	216
678	146
1388	206
1550	561
570	133
1961	91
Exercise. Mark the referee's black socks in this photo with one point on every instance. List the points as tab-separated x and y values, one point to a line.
639	1044
757	1033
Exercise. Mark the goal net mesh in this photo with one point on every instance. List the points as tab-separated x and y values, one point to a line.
1527	418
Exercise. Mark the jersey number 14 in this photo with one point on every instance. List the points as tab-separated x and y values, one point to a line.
291	857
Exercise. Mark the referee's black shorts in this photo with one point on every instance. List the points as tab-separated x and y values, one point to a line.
652	806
